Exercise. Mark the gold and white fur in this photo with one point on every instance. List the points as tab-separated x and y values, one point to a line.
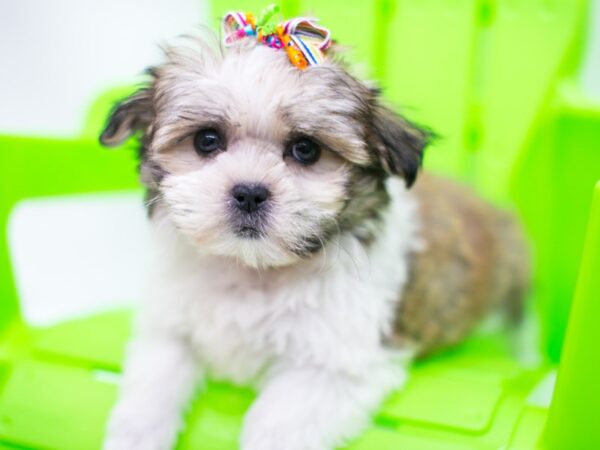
307	312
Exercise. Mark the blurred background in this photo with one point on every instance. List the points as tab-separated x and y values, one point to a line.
57	56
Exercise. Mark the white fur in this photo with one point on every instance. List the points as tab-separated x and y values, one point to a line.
199	201
306	330
308	336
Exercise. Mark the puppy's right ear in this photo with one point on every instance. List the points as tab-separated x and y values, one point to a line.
127	117
400	143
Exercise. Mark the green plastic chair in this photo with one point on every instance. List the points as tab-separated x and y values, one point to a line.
497	80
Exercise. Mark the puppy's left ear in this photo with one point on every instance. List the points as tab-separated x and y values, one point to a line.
127	117
399	143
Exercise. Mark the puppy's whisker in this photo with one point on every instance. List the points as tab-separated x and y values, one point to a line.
346	251
339	246
324	257
352	260
154	200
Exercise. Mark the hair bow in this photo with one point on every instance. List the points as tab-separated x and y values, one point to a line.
303	40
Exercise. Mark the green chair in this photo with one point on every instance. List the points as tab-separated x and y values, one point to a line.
497	80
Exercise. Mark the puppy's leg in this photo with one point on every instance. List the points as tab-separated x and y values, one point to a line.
315	409
159	379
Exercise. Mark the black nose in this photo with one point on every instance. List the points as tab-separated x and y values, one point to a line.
249	197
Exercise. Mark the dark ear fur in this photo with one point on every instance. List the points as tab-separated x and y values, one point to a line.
400	144
132	114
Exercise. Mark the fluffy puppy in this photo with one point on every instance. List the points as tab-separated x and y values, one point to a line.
290	252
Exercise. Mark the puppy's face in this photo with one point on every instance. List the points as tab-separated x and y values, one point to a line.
255	159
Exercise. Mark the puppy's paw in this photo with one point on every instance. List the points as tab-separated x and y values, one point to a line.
135	435
148	440
260	436
132	442
278	442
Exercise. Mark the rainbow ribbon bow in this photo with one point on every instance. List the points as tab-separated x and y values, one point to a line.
303	40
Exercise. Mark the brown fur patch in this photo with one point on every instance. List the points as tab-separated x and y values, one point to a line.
475	260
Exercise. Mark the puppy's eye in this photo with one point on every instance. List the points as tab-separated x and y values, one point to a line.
207	141
305	151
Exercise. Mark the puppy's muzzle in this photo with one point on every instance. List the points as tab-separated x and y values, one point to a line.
250	204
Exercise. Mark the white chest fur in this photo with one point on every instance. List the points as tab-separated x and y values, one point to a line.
331	311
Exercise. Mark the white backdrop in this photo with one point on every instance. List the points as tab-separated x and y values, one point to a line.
57	55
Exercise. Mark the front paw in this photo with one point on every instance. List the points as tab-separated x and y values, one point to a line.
133	435
134	441
281	437
276	441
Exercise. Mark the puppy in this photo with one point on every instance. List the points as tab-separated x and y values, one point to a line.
292	253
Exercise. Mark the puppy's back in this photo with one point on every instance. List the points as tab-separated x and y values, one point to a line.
475	260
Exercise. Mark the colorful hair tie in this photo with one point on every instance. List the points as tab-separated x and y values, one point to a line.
303	40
